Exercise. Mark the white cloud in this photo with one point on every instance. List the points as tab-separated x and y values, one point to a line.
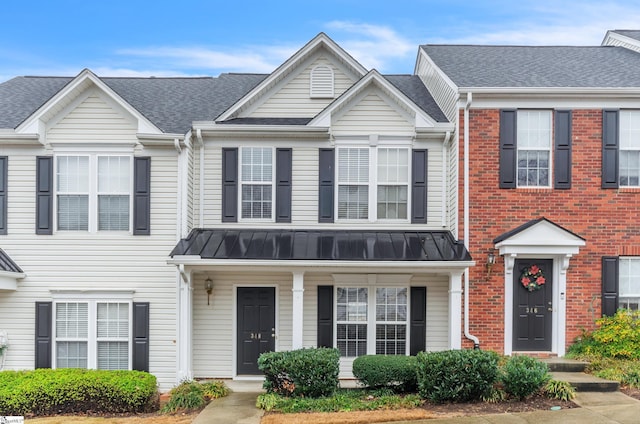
375	46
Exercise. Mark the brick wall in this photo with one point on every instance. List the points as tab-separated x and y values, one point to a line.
608	219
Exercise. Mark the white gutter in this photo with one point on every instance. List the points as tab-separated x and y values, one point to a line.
474	339
179	199
201	177
445	143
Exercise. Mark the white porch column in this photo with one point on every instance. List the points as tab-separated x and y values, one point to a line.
455	310
184	328
298	310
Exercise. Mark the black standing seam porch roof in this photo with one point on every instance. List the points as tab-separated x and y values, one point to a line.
7	264
278	244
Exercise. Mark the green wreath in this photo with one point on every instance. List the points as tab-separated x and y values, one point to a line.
532	278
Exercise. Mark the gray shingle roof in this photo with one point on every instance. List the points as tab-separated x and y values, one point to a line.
412	87
631	33
537	66
172	104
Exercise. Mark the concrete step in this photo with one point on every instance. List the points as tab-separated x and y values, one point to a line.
565	365
586	382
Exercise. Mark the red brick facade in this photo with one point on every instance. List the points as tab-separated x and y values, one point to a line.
608	219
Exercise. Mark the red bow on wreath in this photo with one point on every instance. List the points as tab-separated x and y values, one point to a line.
532	278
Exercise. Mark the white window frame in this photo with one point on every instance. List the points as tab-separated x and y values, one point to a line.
241	183
548	149
629	142
624	270
93	189
92	300
371	320
372	183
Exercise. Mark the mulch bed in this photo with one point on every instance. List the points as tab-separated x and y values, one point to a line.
533	403
634	393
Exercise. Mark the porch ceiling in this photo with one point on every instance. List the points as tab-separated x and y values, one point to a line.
322	245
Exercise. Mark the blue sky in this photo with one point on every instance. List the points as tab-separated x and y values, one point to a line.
193	38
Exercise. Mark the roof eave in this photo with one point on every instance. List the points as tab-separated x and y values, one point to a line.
630	91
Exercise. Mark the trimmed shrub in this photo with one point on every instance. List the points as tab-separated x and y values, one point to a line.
394	371
194	395
523	376
302	372
457	375
66	390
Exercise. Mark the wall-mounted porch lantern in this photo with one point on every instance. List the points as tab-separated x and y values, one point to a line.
208	286
491	260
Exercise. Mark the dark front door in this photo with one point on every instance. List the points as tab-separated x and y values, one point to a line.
256	326
532	308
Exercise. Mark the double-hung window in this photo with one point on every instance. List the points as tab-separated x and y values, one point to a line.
353	183
371	321
93	192
630	148
373	183
534	148
256	181
393	183
92	334
629	283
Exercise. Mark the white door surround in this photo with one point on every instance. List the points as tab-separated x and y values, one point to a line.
539	239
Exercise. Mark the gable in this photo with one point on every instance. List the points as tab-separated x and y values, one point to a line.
92	118
539	236
291	97
372	113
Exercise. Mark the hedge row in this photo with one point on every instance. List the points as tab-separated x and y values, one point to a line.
61	391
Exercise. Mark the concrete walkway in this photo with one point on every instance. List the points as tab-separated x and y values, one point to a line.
596	408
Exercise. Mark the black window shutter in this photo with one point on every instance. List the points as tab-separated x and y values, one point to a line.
44	328
609	285
326	176
419	186
610	140
140	336
325	316
3	194
508	148
142	196
44	195
229	185
562	154
283	185
418	329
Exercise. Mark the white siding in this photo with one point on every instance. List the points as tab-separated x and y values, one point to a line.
213	326
114	261
372	115
291	98
445	95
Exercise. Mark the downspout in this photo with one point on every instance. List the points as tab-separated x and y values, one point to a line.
176	144
445	143
474	339
201	177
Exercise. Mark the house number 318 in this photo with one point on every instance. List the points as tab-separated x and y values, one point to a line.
532	310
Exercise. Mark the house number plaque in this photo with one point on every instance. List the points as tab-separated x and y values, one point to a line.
532	310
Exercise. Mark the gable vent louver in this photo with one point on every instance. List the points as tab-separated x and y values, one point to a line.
322	82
